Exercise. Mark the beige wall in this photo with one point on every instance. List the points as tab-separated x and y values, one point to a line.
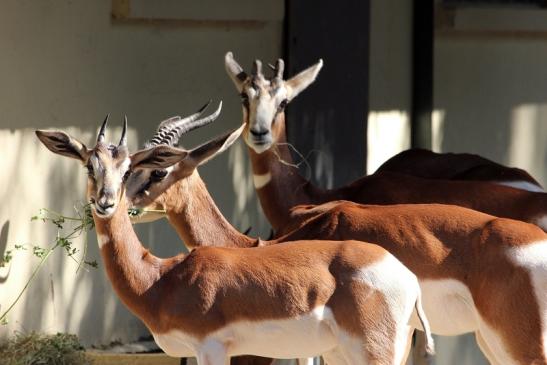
491	96
64	64
390	70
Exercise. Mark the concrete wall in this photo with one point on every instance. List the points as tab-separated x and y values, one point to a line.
390	80
491	99
65	64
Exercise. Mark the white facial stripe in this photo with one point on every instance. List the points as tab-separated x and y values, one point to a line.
124	166
262	180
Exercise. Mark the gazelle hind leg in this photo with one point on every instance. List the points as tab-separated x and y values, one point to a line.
212	353
334	357
408	345
485	349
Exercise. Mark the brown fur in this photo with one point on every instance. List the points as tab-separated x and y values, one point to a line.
432	241
202	291
452	166
211	287
443	241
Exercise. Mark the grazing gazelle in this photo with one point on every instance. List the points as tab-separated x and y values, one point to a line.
458	166
280	187
349	301
478	273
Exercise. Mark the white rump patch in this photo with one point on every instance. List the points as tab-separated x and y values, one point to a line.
262	180
534	258
400	288
102	239
522	185
449	307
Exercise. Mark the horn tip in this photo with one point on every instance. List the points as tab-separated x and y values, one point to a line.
200	110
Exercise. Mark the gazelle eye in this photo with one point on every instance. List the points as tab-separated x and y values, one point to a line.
244	99
158	174
283	104
126	175
89	171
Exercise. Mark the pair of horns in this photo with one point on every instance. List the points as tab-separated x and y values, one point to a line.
123	139
170	130
237	70
278	69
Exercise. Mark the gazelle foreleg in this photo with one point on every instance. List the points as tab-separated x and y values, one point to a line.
212	353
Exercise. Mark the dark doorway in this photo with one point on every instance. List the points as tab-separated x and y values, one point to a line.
328	121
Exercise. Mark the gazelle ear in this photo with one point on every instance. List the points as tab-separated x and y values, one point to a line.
63	144
159	157
301	81
200	155
235	71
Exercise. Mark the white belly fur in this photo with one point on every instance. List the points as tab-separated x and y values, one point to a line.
307	336
449	307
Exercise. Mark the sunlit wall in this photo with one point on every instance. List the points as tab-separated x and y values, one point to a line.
65	64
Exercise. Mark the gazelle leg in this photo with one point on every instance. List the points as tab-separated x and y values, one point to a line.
408	345
334	357
212	353
485	349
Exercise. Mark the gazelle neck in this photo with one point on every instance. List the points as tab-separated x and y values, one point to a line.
197	219
131	268
278	182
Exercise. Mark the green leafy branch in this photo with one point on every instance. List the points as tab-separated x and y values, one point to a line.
81	224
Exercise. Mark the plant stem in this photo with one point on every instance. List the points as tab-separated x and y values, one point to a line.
36	269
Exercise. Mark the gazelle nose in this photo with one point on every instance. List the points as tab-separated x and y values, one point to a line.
104	206
259	134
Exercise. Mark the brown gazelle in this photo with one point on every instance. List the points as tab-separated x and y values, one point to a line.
458	166
348	301
478	273
280	187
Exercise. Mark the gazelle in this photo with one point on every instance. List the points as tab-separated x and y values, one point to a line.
458	166
280	187
348	301
475	270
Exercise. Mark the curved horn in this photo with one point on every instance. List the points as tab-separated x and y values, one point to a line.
279	69
100	136
257	68
123	138
172	129
169	124
201	122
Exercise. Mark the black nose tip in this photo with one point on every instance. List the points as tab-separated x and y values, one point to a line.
106	206
259	134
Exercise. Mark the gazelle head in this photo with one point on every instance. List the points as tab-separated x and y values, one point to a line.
108	165
264	99
146	187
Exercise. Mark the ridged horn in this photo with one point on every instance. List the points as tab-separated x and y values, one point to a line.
123	138
279	69
100	136
257	68
170	130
